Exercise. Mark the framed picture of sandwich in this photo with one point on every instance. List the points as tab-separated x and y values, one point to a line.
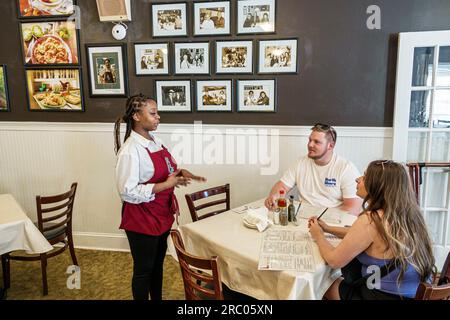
54	89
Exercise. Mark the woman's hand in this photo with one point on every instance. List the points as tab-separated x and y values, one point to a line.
176	180
322	224
315	229
186	174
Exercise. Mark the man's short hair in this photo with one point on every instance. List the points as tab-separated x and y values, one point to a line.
329	131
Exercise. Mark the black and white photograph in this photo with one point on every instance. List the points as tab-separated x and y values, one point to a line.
214	95
212	18
278	56
256	95
151	58
169	20
234	56
173	96
256	16
192	58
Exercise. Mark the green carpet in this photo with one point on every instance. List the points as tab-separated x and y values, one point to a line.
105	275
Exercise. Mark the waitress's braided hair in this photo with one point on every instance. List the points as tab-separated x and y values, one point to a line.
133	105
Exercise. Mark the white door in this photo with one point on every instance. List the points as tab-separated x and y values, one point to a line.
422	124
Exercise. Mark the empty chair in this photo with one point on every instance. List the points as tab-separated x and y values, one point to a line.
427	291
198	284
203	194
55	222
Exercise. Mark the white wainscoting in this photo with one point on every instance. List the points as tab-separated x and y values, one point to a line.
45	158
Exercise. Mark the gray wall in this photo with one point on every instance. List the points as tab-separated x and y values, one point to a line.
346	72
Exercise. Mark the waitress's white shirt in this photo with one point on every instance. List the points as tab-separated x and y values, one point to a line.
134	168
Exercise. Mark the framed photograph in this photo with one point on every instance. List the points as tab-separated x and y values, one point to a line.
256	16
4	96
214	95
256	96
234	57
107	70
212	18
151	58
45	8
54	89
173	95
278	56
192	58
50	43
169	20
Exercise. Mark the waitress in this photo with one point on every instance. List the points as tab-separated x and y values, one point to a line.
146	175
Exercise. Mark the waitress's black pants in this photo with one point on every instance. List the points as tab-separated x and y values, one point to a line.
148	254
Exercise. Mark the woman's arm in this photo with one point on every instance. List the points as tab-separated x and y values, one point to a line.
354	242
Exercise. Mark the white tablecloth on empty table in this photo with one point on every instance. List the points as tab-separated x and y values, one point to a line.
238	249
17	232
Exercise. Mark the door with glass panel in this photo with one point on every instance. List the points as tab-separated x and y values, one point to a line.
422	124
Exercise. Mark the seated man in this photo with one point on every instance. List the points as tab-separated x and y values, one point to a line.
323	178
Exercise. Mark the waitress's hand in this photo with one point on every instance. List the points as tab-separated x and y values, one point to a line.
315	229
187	174
176	180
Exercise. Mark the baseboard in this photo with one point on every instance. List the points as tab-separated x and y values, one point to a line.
101	241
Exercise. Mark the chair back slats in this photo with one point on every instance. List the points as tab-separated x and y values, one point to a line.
56	217
427	291
198	284
48	227
59	197
51	209
203	194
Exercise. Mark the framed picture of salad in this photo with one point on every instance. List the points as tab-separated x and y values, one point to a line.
4	97
54	89
50	43
45	8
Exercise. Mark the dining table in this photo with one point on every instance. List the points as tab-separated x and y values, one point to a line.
238	248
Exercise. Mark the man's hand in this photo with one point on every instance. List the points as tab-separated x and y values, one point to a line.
271	202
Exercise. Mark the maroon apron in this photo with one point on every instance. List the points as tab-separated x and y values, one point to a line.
154	217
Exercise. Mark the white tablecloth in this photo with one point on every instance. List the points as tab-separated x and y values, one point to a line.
238	249
17	232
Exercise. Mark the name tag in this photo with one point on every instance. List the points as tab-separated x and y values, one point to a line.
330	182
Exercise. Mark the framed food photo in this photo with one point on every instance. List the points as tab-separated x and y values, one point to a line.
173	95
107	70
214	95
256	96
234	56
169	20
192	58
278	56
212	18
4	96
256	16
45	8
54	89
151	58
50	43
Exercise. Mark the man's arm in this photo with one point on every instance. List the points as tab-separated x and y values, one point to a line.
352	205
271	199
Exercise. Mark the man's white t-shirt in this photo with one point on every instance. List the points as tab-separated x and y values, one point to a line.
323	186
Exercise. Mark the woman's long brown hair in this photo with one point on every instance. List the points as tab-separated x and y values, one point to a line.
133	105
401	224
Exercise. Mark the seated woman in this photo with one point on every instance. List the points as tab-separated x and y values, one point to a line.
390	232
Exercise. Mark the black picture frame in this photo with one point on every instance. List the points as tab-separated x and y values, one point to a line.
168	35
124	60
22	44
5	89
198	99
169	63
233	71
273	41
54	70
238	94
254	32
22	17
175	58
211	4
160	100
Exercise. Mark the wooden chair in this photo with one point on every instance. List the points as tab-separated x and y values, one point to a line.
194	210
415	175
427	291
444	277
198	284
55	223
